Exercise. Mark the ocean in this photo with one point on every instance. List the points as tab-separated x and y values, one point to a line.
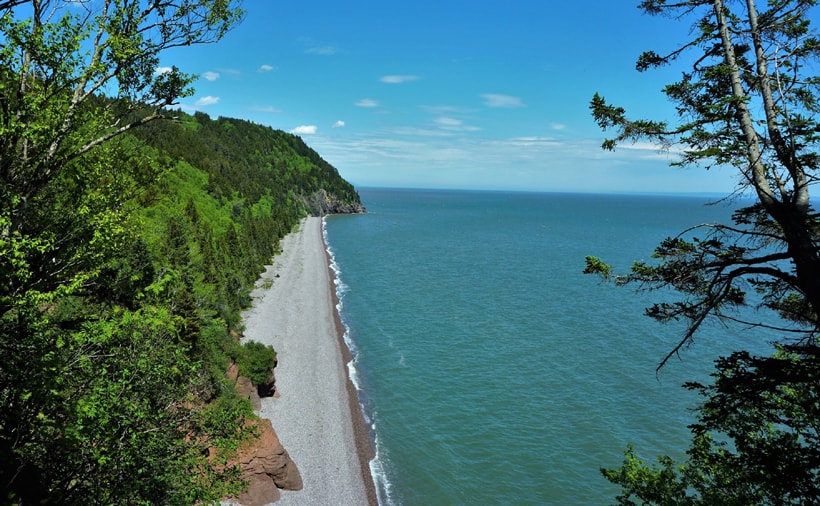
490	368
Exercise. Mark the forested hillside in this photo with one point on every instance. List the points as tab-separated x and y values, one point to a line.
120	302
245	158
227	191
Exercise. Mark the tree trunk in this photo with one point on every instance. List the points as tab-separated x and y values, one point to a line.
792	212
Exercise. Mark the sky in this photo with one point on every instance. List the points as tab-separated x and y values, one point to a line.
469	94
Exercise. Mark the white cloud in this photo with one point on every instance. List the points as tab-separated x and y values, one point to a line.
266	68
210	76
447	123
318	48
162	70
338	124
446	109
498	100
304	130
450	160
399	78
207	100
649	151
366	102
266	108
421	132
558	126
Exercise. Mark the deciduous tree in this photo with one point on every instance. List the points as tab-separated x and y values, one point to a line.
93	393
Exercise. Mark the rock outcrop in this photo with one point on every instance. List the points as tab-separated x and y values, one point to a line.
246	389
266	466
263	461
322	203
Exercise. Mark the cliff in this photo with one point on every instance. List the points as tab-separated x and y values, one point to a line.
322	203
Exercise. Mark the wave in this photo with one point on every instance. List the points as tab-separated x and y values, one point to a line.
377	463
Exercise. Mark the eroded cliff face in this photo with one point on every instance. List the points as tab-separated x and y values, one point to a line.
322	203
266	466
264	462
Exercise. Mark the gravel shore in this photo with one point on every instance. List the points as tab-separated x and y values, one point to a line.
316	414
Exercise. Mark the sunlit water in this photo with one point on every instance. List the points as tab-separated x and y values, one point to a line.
492	369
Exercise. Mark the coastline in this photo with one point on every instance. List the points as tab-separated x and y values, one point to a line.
361	432
316	413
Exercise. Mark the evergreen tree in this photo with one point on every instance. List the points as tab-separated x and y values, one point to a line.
749	100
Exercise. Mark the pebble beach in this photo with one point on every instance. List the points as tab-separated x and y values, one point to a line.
315	413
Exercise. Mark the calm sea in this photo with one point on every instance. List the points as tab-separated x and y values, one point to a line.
494	371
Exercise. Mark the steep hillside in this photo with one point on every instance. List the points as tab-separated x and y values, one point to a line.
124	275
243	158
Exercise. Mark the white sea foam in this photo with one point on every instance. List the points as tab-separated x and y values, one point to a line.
383	486
384	489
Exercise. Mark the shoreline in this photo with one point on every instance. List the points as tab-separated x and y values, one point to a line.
316	413
361	432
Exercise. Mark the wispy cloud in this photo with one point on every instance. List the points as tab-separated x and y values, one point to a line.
648	151
366	102
454	124
207	100
502	101
266	108
305	130
317	48
210	76
399	78
322	50
162	70
450	160
446	109
338	124
266	68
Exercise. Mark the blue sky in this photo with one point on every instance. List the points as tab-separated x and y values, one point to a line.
451	93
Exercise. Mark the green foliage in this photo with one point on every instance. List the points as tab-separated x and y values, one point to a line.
595	265
256	362
127	251
749	102
99	408
766	410
221	421
649	485
242	158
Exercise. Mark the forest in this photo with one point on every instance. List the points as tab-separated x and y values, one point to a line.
123	271
131	234
121	309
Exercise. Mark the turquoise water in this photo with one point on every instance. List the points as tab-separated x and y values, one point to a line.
492	370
